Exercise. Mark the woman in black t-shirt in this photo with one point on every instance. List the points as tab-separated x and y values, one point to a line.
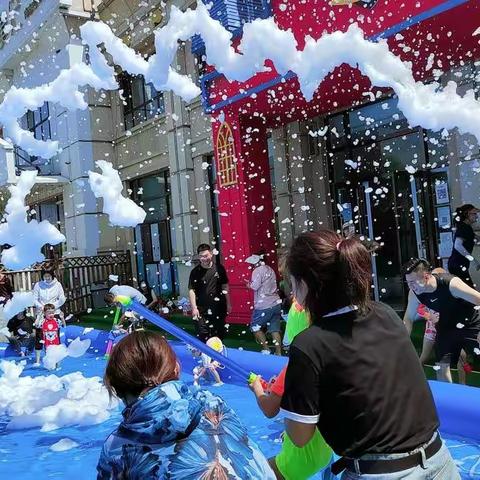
354	373
464	241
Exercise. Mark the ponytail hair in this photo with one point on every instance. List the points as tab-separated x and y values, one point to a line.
336	270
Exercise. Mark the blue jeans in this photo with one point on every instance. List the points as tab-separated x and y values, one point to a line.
269	317
439	467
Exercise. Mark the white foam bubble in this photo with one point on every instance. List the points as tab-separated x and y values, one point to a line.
18	303
121	211
422	104
51	402
26	237
63	445
56	353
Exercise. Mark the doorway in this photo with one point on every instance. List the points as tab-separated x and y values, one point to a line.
380	200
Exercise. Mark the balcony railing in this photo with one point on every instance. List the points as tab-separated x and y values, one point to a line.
24	161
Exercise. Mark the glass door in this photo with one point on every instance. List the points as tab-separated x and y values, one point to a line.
368	227
381	201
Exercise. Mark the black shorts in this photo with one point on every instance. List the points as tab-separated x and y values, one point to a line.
450	343
210	324
38	339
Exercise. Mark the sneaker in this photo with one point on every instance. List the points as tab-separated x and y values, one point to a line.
266	352
36	364
218	384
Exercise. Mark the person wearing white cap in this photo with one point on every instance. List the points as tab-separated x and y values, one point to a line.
267	305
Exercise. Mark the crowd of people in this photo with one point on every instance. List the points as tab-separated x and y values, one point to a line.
37	333
353	385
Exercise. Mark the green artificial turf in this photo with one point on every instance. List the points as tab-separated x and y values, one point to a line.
239	336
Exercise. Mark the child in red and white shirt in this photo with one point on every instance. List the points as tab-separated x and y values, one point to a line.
47	331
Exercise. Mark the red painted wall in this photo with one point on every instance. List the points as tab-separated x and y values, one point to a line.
246	210
446	36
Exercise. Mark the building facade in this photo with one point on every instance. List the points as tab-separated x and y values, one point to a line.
160	145
340	160
249	165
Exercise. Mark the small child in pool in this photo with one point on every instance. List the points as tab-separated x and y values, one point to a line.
292	463
207	365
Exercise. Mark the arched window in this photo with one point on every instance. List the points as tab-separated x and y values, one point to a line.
227	162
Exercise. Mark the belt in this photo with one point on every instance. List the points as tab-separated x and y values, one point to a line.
388	466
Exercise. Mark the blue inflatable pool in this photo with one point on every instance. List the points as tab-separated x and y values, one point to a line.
29	453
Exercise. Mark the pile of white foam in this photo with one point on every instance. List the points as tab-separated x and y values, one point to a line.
422	104
26	237
121	210
51	402
56	353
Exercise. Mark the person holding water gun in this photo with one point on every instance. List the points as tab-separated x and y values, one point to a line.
292	463
122	315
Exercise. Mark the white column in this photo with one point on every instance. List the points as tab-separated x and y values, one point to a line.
85	136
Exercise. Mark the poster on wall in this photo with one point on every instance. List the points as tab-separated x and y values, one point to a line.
446	244
444	217
441	192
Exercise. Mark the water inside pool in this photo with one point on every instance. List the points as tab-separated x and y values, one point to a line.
26	454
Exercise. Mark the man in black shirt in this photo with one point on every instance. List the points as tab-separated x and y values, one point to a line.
457	304
21	330
464	241
208	292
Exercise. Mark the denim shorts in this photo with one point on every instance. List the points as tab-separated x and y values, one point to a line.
268	317
439	467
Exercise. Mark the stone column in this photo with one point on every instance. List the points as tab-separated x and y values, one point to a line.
85	136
